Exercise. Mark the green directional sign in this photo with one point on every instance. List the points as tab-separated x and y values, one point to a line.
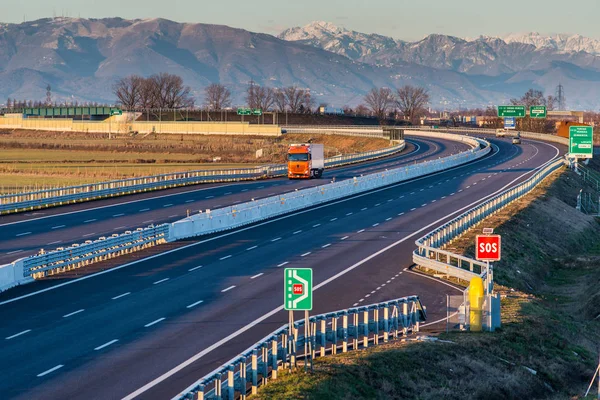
116	112
537	112
256	111
511	111
581	141
244	111
297	289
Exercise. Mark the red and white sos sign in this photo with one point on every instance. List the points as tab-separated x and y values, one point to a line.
297	288
488	247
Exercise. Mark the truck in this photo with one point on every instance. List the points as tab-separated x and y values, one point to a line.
305	161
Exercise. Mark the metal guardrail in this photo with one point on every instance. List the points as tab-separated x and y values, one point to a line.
72	194
329	333
528	135
429	253
375	131
78	255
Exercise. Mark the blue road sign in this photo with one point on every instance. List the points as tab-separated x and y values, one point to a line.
509	122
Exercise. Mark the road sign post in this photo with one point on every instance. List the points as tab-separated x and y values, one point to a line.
581	141
511	111
297	292
537	111
488	248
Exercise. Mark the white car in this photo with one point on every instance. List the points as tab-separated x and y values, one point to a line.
500	132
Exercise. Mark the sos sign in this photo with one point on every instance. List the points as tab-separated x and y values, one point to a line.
487	247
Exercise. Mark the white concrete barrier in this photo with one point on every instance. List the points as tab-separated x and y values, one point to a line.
11	275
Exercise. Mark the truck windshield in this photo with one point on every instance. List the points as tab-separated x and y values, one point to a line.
298	157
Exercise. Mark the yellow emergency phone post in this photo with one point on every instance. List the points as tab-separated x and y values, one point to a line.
476	300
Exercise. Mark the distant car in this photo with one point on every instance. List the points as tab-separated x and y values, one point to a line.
517	138
500	133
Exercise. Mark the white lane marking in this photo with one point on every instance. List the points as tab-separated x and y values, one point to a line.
261	187
167	374
390	200
144	209
154	322
118	228
305	254
14	252
244	190
332	219
422	190
467	187
401	197
167	205
50	370
228	289
121	295
161	281
376	224
361	231
297	232
171	216
89	234
367	296
106	344
276	239
316	225
147	222
388	281
18	334
119	215
225	258
377	205
360	301
58	241
388	219
412	209
474	183
257	275
58	226
433	201
345	237
23	234
195	304
227	193
363	209
73	313
412	192
195	268
251	248
89	220
209	197
452	194
326	245
190	201
282	264
400	214
349	214
443	197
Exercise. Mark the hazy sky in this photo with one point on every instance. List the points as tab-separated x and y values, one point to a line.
401	19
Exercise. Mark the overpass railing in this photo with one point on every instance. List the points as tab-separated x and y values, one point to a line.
71	194
329	333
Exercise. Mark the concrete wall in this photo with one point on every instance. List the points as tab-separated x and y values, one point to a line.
118	125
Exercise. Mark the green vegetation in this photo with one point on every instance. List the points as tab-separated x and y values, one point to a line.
546	348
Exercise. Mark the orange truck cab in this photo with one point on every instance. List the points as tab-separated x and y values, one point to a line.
305	161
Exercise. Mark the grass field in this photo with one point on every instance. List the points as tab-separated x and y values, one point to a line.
35	160
547	347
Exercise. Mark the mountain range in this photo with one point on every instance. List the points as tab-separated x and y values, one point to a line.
82	58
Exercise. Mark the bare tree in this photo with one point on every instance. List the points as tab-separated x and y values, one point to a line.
280	100
294	98
9	103
307	101
379	101
362	111
170	92
260	97
147	99
127	90
217	97
411	100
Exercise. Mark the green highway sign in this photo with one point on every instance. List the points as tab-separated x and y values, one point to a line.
511	111
537	111
297	289
116	112
581	141
256	111
244	111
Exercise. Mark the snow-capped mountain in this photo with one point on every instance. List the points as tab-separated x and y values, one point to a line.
560	42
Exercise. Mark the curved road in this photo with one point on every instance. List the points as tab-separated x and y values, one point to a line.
25	234
129	331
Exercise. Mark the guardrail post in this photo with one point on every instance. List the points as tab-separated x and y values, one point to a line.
404	318
334	336
265	363
385	323
366	328
200	394
218	383
323	337
243	378
345	332
355	323
230	383
376	318
254	370
274	358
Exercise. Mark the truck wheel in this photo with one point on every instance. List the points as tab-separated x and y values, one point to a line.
318	174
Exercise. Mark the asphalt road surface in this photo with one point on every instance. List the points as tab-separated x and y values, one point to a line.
25	234
151	328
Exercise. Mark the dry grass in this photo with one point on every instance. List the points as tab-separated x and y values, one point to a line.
32	159
548	279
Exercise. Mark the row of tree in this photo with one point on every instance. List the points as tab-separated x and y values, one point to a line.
410	101
162	90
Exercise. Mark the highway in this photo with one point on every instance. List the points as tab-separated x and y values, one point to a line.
27	233
109	335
